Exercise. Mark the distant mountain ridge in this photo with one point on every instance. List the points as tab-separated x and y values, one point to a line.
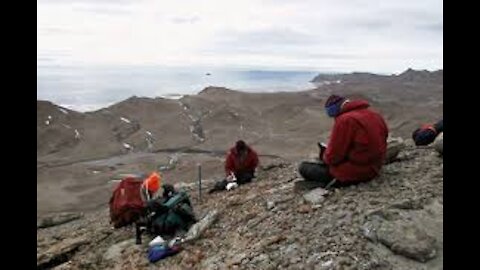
364	77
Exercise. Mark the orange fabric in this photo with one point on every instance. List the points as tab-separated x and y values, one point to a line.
429	126
152	183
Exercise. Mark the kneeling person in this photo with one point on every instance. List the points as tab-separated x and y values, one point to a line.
240	165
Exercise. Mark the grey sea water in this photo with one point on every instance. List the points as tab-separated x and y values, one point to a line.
90	88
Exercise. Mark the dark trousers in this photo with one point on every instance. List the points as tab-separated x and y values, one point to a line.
317	174
244	177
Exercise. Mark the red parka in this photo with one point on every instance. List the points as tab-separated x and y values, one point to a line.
358	143
233	163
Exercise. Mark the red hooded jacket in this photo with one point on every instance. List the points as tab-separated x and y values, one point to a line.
358	143
233	163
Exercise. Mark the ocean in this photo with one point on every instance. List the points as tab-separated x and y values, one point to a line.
91	88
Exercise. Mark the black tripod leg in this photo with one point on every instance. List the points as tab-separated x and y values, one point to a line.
138	234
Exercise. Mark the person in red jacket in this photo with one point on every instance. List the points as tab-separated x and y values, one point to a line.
357	146
242	161
240	165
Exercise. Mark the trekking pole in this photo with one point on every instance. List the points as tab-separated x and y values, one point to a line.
199	182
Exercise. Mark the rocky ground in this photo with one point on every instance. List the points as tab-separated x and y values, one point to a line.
393	222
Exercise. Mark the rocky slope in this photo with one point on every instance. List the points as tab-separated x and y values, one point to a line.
393	222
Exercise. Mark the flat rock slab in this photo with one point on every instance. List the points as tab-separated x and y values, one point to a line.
60	252
402	238
116	250
57	219
198	228
304	186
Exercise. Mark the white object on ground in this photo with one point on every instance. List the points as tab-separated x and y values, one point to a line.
49	117
173	159
125	120
327	263
175	241
270	205
315	196
77	134
127	146
47	122
157	241
232	185
149	133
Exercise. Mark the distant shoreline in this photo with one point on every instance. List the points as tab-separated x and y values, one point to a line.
84	108
99	97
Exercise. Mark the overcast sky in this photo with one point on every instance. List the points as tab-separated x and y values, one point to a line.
334	35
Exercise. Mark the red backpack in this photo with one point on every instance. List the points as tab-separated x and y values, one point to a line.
126	204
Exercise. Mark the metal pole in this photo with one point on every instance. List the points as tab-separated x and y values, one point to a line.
200	182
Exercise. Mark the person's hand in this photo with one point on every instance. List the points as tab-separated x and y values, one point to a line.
231	177
322	147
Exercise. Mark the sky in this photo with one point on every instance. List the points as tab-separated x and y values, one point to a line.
385	36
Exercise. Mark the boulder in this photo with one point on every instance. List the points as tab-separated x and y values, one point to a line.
438	144
401	237
394	146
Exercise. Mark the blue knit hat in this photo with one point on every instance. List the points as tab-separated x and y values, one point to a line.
333	106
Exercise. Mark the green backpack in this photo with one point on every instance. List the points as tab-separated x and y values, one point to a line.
175	214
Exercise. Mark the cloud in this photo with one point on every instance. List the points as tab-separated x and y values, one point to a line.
181	20
51	30
286	33
100	2
108	10
434	27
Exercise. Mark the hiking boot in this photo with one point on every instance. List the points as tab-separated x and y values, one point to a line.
219	186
